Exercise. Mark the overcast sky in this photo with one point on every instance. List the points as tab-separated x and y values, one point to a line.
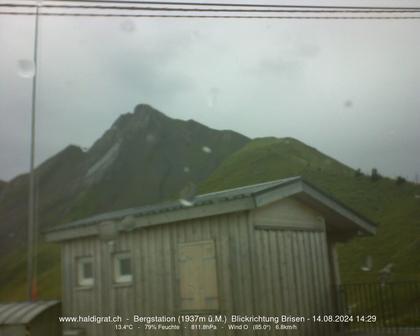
349	88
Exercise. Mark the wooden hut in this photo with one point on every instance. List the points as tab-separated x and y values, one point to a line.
260	250
38	318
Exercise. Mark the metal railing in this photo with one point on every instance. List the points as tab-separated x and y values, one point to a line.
387	308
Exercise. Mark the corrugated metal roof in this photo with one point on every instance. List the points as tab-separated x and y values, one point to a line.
22	312
210	198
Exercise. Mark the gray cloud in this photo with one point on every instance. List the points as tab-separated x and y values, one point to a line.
281	69
260	78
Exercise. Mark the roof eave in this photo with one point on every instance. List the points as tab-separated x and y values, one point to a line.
361	223
300	186
294	187
278	193
140	222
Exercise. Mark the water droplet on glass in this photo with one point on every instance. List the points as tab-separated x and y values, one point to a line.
186	169
387	268
367	266
206	149
151	138
210	103
128	26
348	103
128	223
213	95
187	194
26	68
185	202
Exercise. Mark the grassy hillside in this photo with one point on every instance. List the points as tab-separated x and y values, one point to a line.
13	285
394	206
145	157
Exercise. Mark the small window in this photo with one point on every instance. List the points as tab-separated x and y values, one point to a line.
85	272
122	268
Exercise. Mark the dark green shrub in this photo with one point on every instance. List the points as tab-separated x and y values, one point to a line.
375	176
358	173
400	180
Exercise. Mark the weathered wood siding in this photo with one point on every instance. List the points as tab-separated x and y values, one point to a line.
291	263
264	266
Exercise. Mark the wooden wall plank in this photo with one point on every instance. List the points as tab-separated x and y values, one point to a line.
259	271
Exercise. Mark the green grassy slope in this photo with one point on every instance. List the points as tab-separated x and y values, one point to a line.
13	285
394	206
152	153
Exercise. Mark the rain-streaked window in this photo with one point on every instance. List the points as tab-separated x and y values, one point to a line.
122	268
85	274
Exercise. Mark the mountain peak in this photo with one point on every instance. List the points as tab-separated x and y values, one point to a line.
143	114
146	109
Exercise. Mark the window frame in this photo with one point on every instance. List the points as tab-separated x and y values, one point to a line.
82	280
118	278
